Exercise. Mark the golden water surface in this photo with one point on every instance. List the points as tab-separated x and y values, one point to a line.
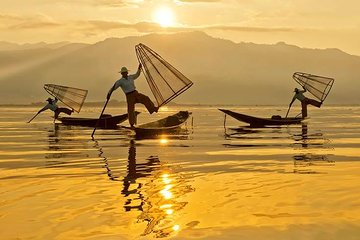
205	182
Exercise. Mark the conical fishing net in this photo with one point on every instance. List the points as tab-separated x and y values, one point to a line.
165	81
71	97
317	85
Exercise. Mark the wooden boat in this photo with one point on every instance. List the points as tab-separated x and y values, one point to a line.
166	125
106	121
260	122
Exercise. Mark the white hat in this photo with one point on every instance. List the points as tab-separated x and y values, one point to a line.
123	70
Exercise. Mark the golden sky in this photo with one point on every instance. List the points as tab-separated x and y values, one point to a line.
306	23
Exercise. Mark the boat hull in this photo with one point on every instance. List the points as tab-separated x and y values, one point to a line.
259	122
107	121
168	125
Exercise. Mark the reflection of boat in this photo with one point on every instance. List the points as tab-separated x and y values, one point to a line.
106	121
166	125
259	122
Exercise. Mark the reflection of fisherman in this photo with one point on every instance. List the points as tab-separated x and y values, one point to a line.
54	107
132	96
304	101
135	171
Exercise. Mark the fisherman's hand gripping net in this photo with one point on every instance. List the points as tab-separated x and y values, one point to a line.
165	81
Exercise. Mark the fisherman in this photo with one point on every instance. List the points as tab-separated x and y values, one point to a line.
54	107
304	101
132	96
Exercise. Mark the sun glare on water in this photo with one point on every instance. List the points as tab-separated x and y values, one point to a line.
164	16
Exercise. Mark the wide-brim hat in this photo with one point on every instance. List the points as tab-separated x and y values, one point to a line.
124	70
49	99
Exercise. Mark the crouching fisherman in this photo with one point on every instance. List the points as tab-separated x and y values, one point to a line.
54	107
132	96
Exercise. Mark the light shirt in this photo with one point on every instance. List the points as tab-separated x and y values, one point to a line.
300	96
52	106
127	84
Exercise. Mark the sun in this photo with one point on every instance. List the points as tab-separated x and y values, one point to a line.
164	16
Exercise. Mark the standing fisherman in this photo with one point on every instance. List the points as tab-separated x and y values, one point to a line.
304	101
132	96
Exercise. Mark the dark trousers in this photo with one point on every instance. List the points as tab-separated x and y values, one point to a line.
62	110
133	98
306	102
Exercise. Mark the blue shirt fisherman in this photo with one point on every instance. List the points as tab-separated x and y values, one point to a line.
52	105
127	84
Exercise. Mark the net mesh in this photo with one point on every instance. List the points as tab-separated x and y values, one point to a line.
71	97
317	85
165	81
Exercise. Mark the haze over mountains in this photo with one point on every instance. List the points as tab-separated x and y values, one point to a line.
6	46
223	72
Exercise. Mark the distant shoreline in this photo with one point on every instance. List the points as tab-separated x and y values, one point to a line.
115	103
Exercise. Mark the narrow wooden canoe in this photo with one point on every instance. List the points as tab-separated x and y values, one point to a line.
165	125
259	122
106	121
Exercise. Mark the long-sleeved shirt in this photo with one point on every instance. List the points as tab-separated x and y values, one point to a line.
52	106
127	84
299	95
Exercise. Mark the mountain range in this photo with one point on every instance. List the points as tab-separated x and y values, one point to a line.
223	72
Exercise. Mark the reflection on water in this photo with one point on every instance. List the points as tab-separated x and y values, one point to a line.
307	145
181	133
151	188
57	183
305	140
59	137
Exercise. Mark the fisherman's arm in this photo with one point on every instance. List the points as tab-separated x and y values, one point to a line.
43	109
138	72
113	88
292	101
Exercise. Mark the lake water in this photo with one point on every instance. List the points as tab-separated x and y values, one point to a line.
207	182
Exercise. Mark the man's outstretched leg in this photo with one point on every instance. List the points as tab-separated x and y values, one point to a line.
314	102
141	98
65	110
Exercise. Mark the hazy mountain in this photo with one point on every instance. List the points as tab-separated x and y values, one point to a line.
8	46
222	71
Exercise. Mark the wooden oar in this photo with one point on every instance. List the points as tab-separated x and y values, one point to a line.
97	122
288	112
107	100
289	109
33	117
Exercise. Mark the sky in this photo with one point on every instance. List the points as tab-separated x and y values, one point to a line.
305	23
